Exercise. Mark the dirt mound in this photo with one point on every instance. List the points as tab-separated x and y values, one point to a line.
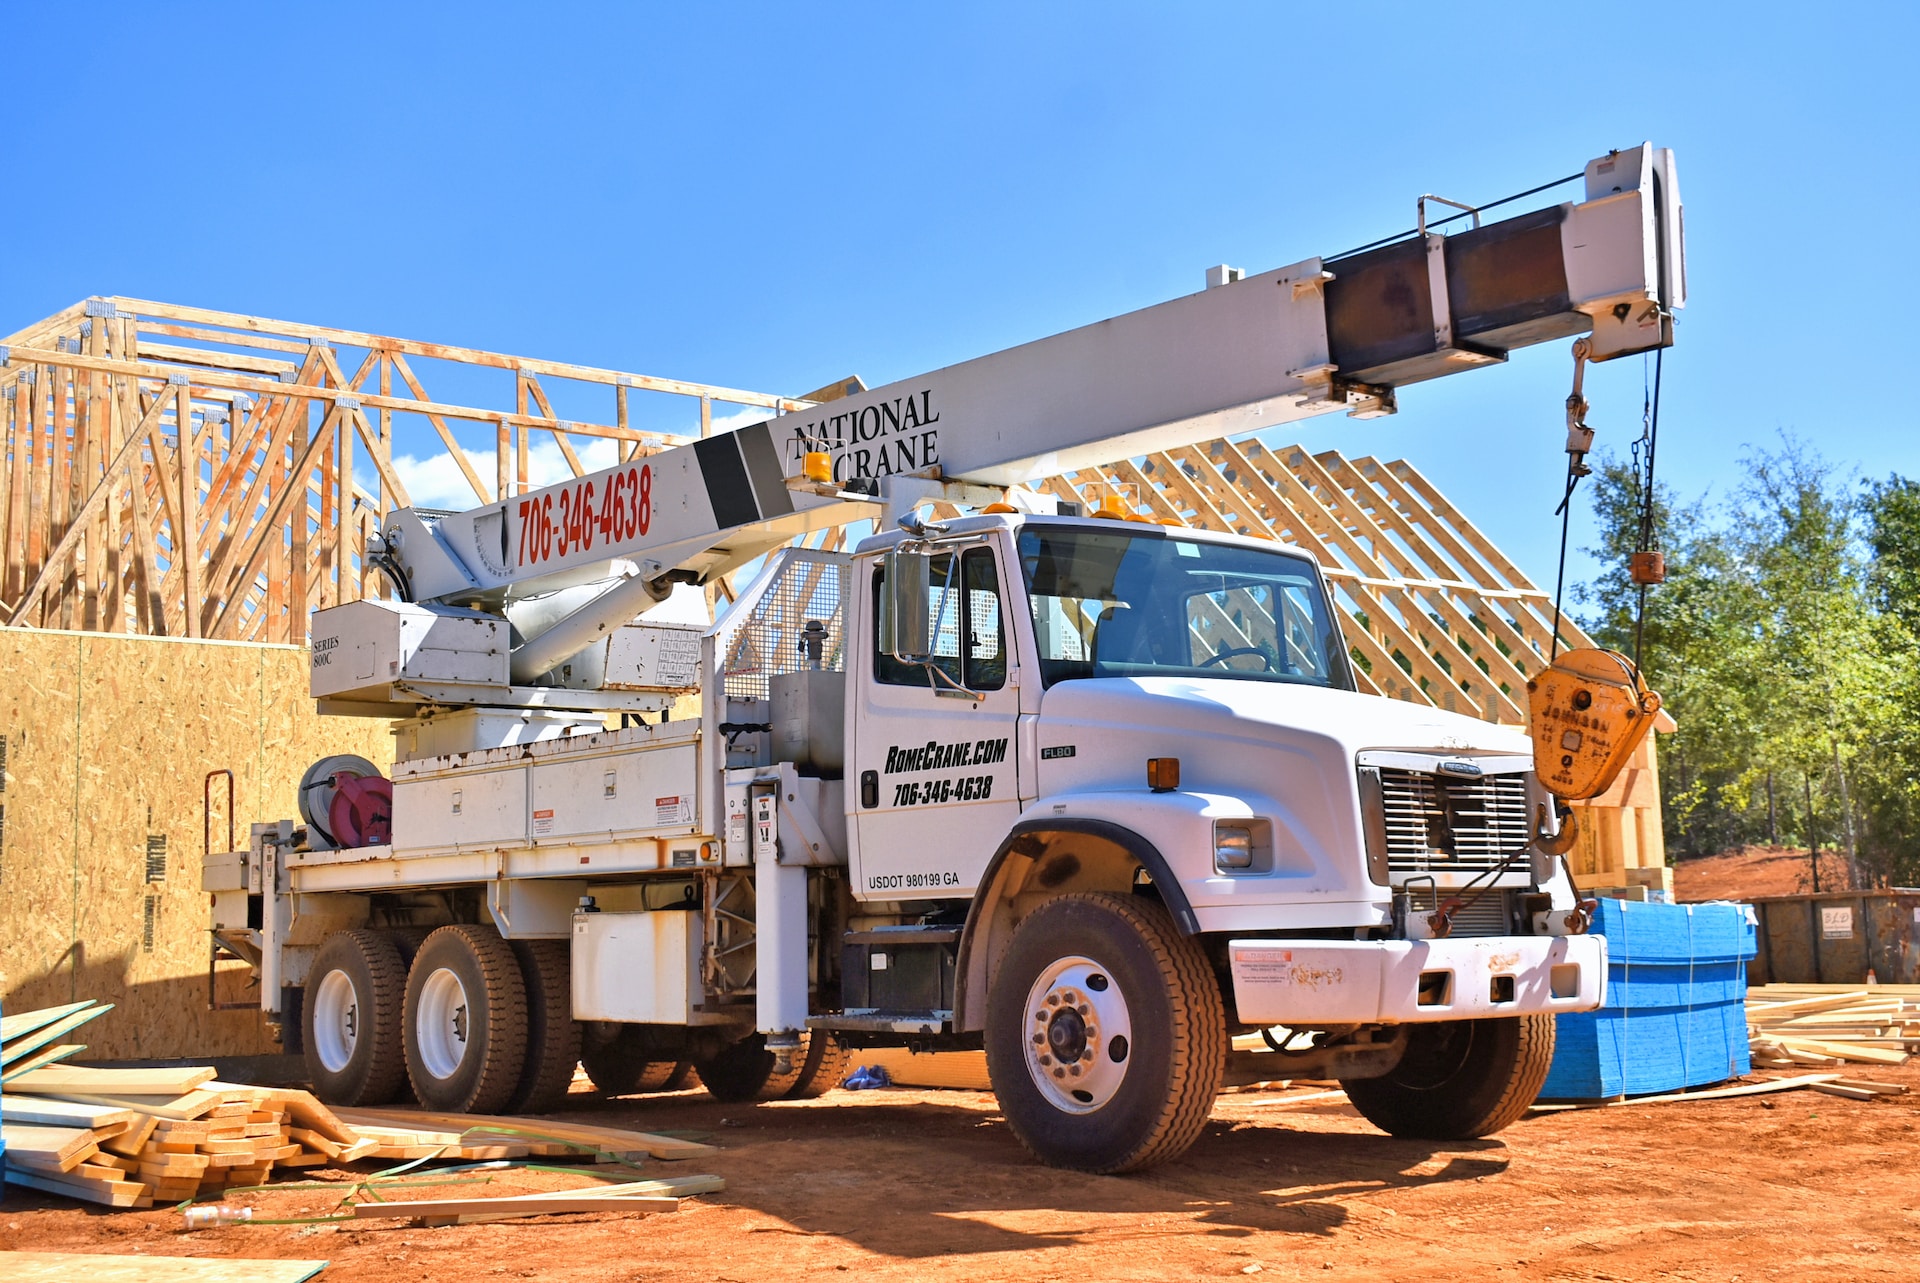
1754	871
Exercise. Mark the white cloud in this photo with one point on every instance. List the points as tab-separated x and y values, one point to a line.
435	481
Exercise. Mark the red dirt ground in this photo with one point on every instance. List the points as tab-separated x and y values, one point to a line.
930	1185
1753	871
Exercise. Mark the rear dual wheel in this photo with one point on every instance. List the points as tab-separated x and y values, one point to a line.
351	1021
616	1059
814	1069
466	1021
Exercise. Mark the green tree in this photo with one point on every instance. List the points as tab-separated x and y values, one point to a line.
1784	644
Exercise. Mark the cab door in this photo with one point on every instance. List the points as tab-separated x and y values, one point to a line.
934	788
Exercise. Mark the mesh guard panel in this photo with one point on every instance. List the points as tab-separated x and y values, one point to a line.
804	585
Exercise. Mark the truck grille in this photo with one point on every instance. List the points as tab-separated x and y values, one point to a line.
1486	914
1439	823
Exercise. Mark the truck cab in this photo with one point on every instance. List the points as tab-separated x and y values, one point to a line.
1150	738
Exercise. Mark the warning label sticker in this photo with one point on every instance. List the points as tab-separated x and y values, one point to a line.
542	822
672	810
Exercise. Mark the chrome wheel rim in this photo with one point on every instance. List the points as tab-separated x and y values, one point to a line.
1079	1035
336	1021
442	1025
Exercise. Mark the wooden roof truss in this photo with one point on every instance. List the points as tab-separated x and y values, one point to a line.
185	472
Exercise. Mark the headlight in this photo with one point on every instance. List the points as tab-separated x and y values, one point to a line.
1232	847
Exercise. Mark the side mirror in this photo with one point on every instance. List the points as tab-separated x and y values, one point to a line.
906	607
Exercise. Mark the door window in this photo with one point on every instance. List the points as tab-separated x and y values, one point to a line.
969	636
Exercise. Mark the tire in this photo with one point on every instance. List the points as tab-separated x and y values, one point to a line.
553	1039
1108	979
355	996
408	940
466	1021
738	1073
1459	1079
817	1067
829	1061
615	1060
664	1075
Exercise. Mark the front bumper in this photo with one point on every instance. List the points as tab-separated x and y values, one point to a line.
1320	982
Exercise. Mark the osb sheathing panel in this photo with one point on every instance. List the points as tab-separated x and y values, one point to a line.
109	741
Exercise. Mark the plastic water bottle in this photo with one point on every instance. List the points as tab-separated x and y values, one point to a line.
207	1215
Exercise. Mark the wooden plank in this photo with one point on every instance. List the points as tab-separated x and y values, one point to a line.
1310	1098
1762	1088
1866	1084
465	355
371	400
200	356
190	1106
39	1060
1841	1089
49	1112
67	1267
134	1139
680	1187
115	1082
585	1135
498	1208
1858	1052
111	1193
62	1145
38	1038
23	1022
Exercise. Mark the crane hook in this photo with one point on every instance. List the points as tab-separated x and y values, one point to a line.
1579	435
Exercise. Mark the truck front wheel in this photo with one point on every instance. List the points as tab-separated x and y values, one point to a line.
1106	1036
1459	1079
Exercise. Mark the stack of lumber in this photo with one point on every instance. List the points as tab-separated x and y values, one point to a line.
1793	1025
133	1137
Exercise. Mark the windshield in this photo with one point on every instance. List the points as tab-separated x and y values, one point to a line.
1147	603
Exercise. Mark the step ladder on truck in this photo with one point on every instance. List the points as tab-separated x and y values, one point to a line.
1094	794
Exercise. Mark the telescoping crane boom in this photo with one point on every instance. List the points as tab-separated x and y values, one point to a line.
1093	795
1254	352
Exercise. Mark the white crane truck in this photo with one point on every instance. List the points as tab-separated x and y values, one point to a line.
1094	794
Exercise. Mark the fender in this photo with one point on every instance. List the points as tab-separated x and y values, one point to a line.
970	979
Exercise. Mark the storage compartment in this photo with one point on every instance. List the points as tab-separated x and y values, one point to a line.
636	967
810	722
472	730
361	649
899	969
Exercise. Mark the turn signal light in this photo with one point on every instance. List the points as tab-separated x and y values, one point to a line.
1163	774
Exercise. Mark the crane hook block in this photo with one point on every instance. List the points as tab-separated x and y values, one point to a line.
1587	713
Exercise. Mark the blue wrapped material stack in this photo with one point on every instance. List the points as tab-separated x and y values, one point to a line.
1675	1010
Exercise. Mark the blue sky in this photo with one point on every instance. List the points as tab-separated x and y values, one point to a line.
773	196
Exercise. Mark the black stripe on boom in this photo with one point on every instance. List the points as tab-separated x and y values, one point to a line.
726	477
763	465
